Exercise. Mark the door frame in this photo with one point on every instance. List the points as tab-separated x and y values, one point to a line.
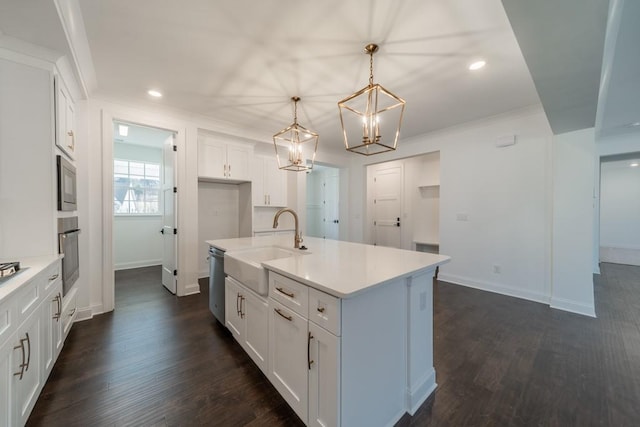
108	266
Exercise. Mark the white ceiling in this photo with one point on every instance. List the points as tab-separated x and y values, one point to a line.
241	61
141	135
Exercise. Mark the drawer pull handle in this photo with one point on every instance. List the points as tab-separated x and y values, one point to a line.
238	304
29	355
320	309
23	364
289	294
242	298
289	318
56	315
54	277
73	311
309	361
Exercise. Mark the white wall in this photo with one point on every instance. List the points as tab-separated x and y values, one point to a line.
136	238
218	217
620	212
574	156
137	241
504	192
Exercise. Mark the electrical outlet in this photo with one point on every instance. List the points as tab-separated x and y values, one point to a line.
497	269
423	300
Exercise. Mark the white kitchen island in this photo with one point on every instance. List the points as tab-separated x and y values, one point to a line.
345	330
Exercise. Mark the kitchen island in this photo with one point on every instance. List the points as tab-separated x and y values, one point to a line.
344	331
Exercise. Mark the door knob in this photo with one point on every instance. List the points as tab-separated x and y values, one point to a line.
398	222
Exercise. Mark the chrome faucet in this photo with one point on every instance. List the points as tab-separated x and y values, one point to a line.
297	239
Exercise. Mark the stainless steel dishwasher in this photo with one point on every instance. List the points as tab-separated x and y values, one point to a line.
216	283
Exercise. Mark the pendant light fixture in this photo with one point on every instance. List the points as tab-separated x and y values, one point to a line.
294	143
371	117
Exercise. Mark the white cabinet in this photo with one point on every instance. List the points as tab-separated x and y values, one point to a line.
30	341
27	368
324	377
52	327
304	357
65	118
268	183
288	356
223	161
6	380
246	318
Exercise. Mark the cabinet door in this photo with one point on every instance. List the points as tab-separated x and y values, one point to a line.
6	381
275	183
324	377
52	329
258	194
233	315
288	368
212	158
65	118
27	386
256	337
238	160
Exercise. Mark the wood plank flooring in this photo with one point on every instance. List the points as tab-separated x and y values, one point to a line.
159	360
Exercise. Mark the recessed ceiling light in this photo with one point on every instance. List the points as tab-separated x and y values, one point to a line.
154	93
477	65
123	130
634	165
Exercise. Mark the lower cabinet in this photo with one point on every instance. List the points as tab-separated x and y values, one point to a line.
27	356
303	350
27	368
288	353
324	377
246	318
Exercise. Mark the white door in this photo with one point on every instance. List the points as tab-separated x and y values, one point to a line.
169	217
27	385
387	206
315	224
331	197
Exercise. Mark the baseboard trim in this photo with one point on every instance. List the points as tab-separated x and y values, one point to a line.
492	287
620	255
138	264
573	307
84	314
419	394
191	289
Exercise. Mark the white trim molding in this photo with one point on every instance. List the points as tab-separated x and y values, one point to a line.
495	288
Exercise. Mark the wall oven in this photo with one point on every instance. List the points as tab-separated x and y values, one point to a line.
68	232
66	185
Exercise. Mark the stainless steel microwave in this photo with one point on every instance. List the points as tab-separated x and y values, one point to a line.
66	185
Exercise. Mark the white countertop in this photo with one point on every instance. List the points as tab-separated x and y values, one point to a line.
342	269
29	267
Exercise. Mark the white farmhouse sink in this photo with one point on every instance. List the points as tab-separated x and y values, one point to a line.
245	266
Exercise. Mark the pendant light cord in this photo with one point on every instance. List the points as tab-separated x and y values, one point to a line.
370	69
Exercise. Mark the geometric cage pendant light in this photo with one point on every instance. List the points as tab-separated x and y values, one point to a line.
295	143
371	118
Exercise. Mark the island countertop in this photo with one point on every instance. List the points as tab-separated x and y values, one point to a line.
341	269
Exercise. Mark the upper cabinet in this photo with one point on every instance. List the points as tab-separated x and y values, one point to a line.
65	118
268	183
223	160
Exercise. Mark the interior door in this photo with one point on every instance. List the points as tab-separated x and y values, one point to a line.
169	217
331	211
387	206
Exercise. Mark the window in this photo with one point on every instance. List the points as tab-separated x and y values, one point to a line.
136	188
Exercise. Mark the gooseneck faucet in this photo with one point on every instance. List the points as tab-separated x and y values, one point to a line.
297	239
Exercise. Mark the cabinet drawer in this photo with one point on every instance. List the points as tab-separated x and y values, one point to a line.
28	299
325	310
289	293
51	276
69	309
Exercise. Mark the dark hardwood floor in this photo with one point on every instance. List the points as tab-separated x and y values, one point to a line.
160	360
